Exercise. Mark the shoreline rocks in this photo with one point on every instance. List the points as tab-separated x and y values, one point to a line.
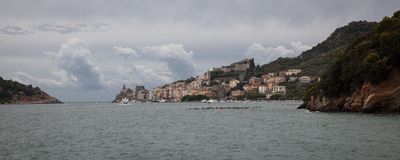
369	98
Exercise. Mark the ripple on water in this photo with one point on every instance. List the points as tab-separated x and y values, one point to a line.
267	130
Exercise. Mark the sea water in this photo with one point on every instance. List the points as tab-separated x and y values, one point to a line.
257	130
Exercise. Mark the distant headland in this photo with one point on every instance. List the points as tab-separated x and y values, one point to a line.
13	92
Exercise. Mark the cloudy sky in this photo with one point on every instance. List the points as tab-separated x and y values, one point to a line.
85	51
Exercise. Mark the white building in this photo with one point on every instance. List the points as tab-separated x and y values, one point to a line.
233	83
262	89
279	90
198	83
305	79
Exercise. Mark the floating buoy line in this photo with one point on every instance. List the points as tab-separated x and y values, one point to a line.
222	108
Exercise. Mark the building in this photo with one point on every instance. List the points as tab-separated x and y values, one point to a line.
279	90
143	95
243	65
237	93
293	79
305	79
227	68
198	83
138	94
233	83
124	89
282	73
226	88
271	83
217	92
272	74
265	78
280	79
255	81
292	72
262	89
249	88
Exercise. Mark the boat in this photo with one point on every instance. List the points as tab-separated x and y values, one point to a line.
204	101
124	100
211	101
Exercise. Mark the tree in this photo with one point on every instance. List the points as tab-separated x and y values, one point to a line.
189	98
275	97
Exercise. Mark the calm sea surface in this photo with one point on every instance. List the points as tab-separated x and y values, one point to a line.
268	130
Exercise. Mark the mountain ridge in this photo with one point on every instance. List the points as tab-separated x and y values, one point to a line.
315	60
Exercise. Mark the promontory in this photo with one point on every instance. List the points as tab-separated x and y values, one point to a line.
13	92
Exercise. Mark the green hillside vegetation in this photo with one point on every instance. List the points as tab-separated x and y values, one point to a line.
368	59
316	60
11	90
189	98
191	79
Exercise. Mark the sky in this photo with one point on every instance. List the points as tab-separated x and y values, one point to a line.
86	50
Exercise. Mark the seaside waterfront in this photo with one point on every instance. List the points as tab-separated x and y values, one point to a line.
257	130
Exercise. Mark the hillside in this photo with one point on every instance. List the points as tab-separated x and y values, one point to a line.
12	92
313	61
317	59
366	76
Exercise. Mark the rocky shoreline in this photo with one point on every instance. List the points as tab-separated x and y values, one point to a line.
369	98
34	100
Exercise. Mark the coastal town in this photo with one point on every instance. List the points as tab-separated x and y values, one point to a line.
225	83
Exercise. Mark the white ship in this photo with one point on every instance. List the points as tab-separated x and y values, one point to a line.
124	100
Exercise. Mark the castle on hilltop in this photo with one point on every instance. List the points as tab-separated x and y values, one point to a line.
237	70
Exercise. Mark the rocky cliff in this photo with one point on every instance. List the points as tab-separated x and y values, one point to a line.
12	92
382	97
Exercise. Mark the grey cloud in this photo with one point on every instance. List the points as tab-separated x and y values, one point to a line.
57	28
175	63
102	27
14	30
125	52
178	60
26	78
64	29
140	74
207	12
75	59
263	55
299	47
